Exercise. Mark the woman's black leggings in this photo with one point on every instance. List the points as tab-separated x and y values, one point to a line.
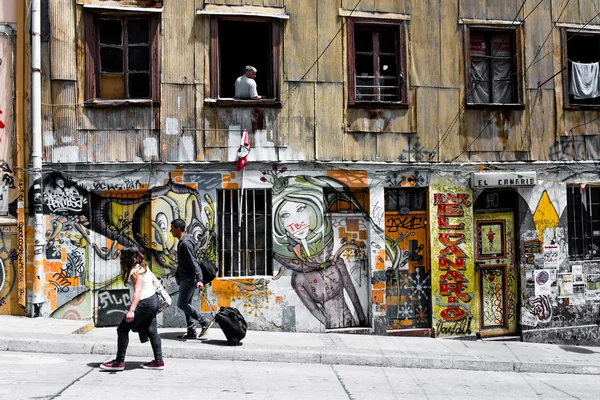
144	319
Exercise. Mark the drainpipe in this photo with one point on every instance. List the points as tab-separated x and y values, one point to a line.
39	238
21	152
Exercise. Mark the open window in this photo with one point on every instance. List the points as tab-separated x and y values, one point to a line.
376	62
230	52
494	59
122	61
581	58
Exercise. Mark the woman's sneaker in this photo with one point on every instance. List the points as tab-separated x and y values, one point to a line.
154	365
113	365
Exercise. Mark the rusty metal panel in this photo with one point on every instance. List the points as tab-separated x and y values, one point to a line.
426	42
472	9
178	42
542	125
364	5
360	146
329	66
122	145
394	120
504	10
300	41
301	124
451	39
129	117
63	109
265	3
62	40
178	122
539	69
329	132
587	10
47	121
567	11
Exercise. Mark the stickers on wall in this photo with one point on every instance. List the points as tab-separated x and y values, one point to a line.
545	282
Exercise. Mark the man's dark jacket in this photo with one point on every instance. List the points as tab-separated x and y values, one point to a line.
188	266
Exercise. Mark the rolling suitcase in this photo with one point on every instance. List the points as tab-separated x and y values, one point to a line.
231	321
232	324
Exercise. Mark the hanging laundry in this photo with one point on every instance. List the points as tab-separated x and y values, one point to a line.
585	83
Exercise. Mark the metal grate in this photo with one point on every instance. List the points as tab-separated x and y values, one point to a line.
244	238
583	205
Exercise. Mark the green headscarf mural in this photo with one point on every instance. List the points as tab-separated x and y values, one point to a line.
304	244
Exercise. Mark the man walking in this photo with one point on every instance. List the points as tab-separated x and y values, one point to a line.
188	277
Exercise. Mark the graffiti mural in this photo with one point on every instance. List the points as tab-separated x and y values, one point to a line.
86	229
407	264
304	243
545	217
455	308
8	273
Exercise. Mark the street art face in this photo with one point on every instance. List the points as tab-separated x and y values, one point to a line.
86	230
304	244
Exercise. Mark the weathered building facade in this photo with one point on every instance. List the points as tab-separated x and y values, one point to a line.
416	168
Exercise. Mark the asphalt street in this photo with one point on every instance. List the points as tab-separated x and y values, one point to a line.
74	376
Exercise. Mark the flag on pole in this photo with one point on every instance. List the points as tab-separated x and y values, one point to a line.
243	151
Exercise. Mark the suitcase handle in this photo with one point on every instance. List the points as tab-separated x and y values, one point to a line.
204	295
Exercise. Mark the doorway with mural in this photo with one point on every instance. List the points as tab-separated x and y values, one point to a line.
408	271
496	273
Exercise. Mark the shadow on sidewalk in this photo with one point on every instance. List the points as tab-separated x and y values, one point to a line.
577	349
177	336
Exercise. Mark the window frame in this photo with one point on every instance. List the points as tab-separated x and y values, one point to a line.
401	55
564	32
215	62
586	228
92	57
519	62
233	250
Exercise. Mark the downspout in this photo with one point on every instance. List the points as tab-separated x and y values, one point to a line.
39	239
21	153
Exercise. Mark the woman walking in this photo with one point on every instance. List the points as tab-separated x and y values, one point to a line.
142	311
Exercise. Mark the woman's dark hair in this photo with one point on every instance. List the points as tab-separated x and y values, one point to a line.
130	259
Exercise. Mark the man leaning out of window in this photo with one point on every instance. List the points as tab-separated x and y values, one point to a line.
245	85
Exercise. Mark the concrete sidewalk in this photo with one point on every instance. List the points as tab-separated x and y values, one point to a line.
47	335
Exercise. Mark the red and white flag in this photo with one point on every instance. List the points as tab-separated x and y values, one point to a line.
243	151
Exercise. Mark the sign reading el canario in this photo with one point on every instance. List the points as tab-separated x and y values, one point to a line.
503	179
455	311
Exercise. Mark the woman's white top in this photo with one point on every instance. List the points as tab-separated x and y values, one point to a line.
147	285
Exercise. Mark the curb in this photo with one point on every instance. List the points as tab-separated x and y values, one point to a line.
81	345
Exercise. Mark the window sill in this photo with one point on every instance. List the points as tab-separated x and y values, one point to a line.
231	102
372	104
495	106
582	107
120	103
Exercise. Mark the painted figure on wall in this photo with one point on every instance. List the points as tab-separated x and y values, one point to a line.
304	243
85	225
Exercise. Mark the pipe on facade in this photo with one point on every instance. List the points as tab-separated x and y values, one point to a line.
39	239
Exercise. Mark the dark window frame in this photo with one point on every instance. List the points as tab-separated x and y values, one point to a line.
215	79
92	57
584	231
377	24
517	41
228	251
569	103
411	196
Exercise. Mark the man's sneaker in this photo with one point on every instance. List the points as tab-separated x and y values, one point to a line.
154	365
205	329
191	334
113	365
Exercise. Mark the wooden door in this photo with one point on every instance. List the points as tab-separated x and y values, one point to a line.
496	273
408	271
